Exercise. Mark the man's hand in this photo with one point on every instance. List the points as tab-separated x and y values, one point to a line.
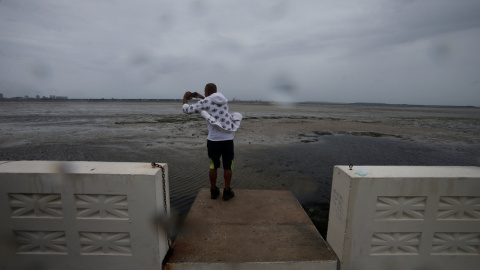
199	95
186	97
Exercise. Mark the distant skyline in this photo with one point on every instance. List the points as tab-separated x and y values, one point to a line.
417	52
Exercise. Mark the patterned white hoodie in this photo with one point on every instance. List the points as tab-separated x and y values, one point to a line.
221	123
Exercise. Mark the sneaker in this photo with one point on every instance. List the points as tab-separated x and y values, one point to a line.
214	193
228	194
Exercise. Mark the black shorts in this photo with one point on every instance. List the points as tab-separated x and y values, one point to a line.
217	149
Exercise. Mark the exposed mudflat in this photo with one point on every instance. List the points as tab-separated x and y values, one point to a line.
277	147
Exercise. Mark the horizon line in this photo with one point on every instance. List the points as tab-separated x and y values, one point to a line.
66	99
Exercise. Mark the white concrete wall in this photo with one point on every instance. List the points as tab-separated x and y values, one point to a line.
404	217
81	215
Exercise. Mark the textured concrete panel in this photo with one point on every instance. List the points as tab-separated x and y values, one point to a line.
258	229
405	217
81	215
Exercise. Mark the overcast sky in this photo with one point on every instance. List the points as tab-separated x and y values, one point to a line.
388	51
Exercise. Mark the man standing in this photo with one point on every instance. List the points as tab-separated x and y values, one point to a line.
221	131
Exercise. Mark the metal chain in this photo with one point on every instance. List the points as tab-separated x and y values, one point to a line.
169	239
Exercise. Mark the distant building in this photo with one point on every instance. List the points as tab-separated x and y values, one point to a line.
1	96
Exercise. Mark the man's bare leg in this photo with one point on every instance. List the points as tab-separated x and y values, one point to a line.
213	178
227	175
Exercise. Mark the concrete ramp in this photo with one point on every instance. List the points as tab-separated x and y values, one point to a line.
258	229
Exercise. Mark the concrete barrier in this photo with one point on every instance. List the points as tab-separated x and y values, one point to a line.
403	217
82	215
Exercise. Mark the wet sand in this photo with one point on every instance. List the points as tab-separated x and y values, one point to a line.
277	147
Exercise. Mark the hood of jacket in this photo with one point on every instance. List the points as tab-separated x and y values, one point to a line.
218	98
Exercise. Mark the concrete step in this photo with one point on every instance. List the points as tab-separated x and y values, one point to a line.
257	229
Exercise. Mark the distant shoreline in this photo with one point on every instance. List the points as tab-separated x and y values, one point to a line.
124	100
233	101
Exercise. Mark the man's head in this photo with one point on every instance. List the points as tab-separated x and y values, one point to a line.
210	88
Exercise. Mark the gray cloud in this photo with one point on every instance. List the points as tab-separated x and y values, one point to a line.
412	51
